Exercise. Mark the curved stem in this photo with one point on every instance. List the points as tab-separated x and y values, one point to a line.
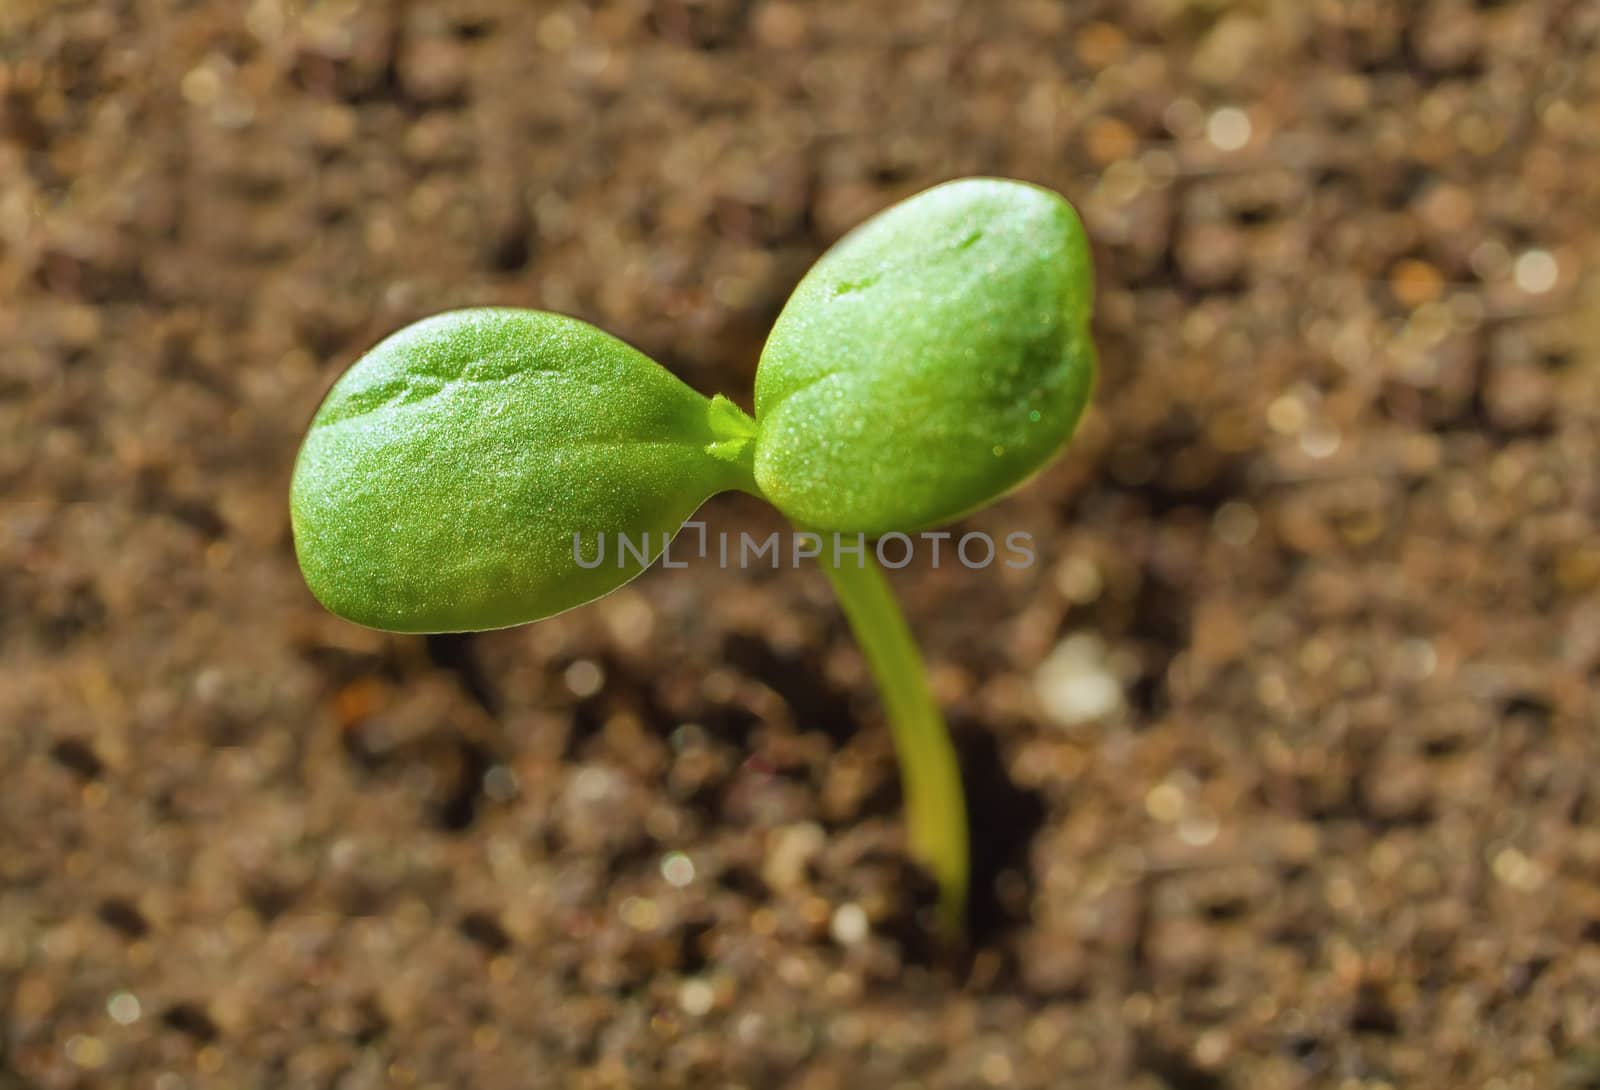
936	817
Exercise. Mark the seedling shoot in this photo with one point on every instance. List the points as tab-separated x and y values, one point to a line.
931	361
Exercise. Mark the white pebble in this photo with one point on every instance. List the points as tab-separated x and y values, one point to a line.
696	997
584	678
1075	683
1228	129
1536	272
849	926
677	869
124	1008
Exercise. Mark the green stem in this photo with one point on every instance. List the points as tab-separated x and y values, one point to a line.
936	816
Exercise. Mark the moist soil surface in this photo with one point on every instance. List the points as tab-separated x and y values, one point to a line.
1282	757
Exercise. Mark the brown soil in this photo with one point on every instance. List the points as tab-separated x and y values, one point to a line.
1330	529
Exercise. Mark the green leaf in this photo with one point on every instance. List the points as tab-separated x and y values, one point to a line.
934	359
445	476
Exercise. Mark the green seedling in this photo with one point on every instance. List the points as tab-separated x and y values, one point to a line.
932	360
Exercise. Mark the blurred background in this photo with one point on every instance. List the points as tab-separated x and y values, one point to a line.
1282	759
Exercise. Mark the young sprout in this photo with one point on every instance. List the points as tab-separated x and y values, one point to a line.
931	361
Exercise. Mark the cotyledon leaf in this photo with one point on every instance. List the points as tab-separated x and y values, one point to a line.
932	360
444	477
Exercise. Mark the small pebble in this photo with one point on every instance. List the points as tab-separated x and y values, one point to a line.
584	678
434	71
849	926
1198	828
677	869
1228	129
1415	283
124	1008
790	851
1230	50
1536	272
1235	523
1320	440
1165	802
1210	254
87	1052
696	997
1075	684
